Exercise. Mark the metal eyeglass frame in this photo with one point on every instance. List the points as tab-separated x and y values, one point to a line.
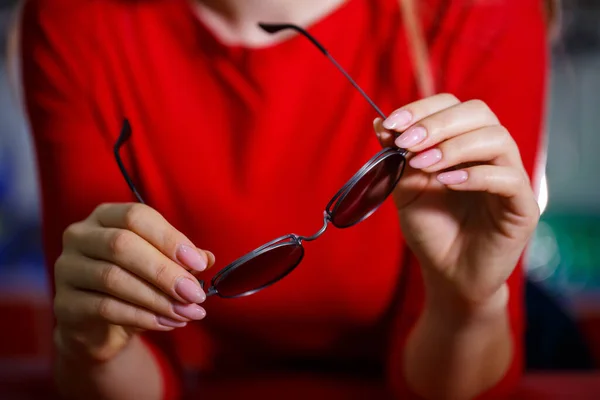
330	209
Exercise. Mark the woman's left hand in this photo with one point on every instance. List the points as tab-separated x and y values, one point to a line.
465	201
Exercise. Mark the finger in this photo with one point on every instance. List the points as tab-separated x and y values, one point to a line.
155	229
510	183
72	307
211	259
443	125
99	276
131	252
211	263
491	144
406	116
384	136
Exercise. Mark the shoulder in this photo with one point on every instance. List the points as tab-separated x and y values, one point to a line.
65	33
492	9
54	37
66	9
487	17
56	11
54	24
78	17
473	31
55	8
81	23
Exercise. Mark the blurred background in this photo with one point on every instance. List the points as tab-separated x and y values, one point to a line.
563	259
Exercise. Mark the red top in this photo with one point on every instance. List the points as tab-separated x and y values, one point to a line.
237	146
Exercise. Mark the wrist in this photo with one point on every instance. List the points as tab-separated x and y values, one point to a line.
93	346
453	308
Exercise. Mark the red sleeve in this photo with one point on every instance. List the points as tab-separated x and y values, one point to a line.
72	132
496	52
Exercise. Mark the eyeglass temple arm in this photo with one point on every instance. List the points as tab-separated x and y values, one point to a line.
123	138
269	28
274	28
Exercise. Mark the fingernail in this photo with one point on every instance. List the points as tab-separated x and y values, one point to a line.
190	291
426	159
411	137
191	311
398	119
453	177
192	257
171	323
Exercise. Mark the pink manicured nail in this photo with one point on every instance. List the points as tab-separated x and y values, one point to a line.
453	177
190	311
398	119
411	137
171	323
426	159
190	291
192	257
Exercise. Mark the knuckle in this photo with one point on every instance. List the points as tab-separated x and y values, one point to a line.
502	131
60	266
503	135
535	216
72	234
159	303
478	103
169	241
482	107
524	181
102	208
448	97
120	241
161	274
532	218
105	308
111	276
435	125
59	306
505	141
64	308
142	318
133	215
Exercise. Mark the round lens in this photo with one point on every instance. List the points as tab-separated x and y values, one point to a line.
367	194
261	270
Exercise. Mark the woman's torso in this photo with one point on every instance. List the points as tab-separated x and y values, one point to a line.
238	146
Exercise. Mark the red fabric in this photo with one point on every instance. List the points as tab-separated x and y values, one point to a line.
237	146
533	387
559	386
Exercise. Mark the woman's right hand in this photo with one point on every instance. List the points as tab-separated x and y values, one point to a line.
124	269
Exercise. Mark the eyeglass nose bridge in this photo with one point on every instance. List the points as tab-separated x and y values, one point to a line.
326	220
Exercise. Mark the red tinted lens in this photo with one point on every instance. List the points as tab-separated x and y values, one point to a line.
369	192
260	271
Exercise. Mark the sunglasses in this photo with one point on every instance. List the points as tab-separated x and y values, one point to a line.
360	197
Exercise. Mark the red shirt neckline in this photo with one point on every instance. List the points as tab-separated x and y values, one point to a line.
319	28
